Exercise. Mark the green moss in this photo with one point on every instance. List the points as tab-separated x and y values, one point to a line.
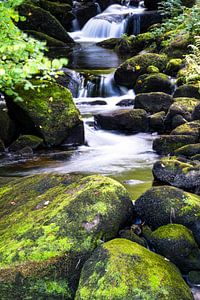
173	164
187	103
26	140
54	222
127	270
188	150
152	69
174	232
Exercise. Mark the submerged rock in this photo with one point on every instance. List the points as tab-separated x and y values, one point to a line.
48	112
176	242
153	102
127	270
182	174
128	72
50	224
166	204
132	120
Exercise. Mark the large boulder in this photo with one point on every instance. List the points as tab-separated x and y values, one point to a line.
153	102
50	225
176	242
121	269
156	122
187	90
38	19
131	120
167	144
182	174
163	205
157	82
48	112
128	72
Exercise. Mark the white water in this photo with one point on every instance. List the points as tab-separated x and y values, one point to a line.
111	23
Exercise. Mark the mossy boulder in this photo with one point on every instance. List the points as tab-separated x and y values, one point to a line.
48	112
122	269
156	82
176	242
153	102
178	46
180	173
162	205
50	224
38	19
50	41
31	141
8	129
187	90
173	66
128	72
189	128
156	122
131	120
196	112
188	150
167	144
61	11
182	106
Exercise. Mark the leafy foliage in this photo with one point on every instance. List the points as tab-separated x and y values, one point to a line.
193	63
21	57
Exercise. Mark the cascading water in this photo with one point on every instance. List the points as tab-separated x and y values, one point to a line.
112	23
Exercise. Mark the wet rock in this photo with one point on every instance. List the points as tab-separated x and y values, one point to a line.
188	150
132	120
26	141
126	269
156	122
38	19
153	102
50	225
85	11
8	129
71	80
194	277
50	41
126	102
49	113
163	205
187	90
95	102
176	242
183	174
109	43
167	144
2	146
128	72
26	152
154	83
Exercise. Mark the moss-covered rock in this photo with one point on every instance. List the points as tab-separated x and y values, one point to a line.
31	141
182	106
187	90
48	112
178	46
122	269
176	242
153	102
38	19
196	112
156	82
156	122
188	150
152	69
49	226
8	129
131	120
109	43
128	72
189	128
162	205
50	41
183	174
173	66
61	11
167	144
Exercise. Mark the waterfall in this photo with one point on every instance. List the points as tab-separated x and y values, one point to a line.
136	24
111	23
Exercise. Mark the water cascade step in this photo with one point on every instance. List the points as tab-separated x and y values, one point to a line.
109	24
